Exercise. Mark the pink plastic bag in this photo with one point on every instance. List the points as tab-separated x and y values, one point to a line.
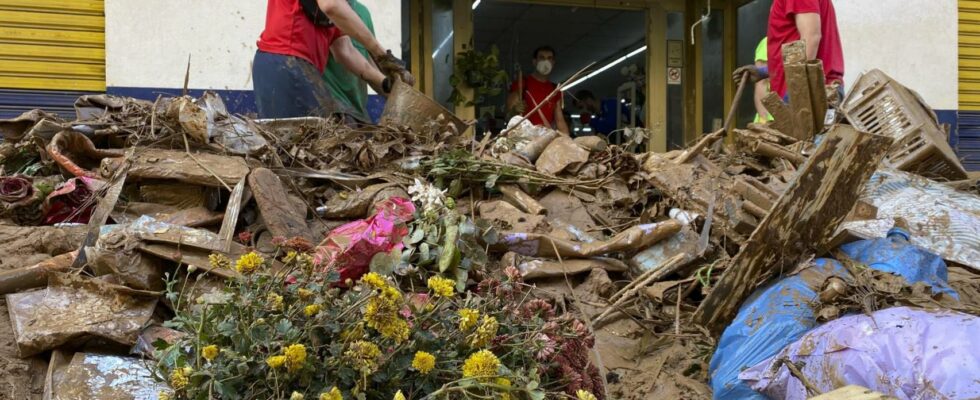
350	247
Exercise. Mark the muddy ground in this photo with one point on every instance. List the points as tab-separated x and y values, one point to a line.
21	247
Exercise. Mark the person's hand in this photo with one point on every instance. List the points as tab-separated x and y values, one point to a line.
752	71
393	68
520	107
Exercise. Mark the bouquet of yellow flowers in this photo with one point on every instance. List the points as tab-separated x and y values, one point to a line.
293	332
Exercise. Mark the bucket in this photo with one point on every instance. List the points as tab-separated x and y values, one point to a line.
409	107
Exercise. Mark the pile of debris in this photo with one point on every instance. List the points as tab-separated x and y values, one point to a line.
598	271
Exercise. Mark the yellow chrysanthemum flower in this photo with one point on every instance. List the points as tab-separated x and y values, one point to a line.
311	310
468	318
209	352
296	396
304	294
219	261
374	280
248	263
424	362
482	364
275	301
295	357
180	377
485	333
290	256
364	355
442	287
504	394
164	395
333	394
582	394
353	333
399	396
275	361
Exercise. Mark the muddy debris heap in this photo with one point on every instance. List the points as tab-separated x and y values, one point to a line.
658	253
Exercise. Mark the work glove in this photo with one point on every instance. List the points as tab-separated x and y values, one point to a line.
754	74
393	68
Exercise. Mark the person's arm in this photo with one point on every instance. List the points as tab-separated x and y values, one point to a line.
347	20
808	24
347	55
761	90
560	119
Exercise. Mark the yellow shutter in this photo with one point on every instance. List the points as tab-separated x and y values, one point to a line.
52	45
969	60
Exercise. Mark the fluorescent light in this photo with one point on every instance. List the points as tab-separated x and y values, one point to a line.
576	116
443	44
607	66
476	4
587	130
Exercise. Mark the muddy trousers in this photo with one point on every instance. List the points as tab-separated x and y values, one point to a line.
288	87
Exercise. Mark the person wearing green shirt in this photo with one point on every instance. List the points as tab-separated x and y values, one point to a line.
346	87
762	86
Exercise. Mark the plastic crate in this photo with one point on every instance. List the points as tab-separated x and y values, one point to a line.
879	105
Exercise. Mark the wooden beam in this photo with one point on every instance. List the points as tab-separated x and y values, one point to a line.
428	80
462	41
802	223
656	118
415	46
691	77
730	44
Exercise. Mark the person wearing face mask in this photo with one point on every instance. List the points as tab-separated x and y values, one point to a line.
536	89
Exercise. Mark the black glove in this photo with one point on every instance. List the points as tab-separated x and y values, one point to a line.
393	68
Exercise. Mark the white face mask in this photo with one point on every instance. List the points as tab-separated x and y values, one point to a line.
544	67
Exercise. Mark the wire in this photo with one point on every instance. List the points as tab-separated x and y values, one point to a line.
704	19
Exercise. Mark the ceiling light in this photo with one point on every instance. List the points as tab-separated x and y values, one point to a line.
607	66
476	4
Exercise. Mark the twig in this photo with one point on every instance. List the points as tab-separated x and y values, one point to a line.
677	312
587	320
557	89
187	148
795	371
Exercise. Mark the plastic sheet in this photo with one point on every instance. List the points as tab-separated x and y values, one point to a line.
896	255
773	317
97	376
350	247
902	352
633	239
942	220
74	309
780	313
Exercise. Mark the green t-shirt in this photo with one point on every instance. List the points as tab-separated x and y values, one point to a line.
346	87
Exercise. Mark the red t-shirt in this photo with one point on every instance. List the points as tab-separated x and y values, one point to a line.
782	30
288	31
536	92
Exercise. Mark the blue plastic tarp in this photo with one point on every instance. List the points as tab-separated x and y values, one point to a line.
780	313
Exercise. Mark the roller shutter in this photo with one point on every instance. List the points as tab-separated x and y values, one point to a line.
968	130
52	45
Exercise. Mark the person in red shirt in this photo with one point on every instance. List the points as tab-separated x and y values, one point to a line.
293	50
538	90
814	22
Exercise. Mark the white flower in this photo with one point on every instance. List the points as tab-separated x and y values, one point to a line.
426	195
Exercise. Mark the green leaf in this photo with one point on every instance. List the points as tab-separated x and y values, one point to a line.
384	263
417	236
492	181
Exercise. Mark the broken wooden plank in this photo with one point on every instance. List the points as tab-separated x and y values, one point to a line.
803	221
181	166
280	216
107	203
853	392
230	220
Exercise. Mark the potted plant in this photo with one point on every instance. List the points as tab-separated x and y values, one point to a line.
479	71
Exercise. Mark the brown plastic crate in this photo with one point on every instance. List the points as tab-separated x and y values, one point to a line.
879	105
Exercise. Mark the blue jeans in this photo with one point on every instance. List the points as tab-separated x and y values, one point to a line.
288	87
